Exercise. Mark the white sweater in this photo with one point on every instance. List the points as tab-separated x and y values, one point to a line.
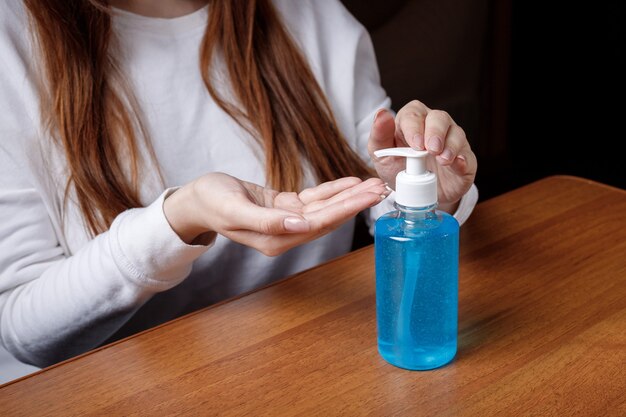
62	293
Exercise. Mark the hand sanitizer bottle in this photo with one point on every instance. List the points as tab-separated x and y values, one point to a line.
417	251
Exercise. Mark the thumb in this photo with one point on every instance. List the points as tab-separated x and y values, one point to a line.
383	132
270	221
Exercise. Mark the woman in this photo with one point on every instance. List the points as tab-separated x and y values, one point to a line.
106	107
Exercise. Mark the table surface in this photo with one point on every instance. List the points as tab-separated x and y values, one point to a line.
542	331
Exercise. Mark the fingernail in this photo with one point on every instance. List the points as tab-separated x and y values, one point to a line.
296	225
380	113
446	154
435	144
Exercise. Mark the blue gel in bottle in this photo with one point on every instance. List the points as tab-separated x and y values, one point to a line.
417	287
417	250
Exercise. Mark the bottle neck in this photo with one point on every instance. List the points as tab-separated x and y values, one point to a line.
415	210
416	214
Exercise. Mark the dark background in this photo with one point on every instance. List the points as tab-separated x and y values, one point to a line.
567	72
537	86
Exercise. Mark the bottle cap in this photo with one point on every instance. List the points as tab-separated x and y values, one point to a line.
415	186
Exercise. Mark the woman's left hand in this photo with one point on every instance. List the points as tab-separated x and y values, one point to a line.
451	157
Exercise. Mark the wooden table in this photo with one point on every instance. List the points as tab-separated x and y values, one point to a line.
542	306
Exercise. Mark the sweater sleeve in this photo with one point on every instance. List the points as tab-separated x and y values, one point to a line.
54	306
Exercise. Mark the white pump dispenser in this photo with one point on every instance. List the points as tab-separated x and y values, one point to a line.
415	186
416	251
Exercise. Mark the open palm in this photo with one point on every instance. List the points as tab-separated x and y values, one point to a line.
273	221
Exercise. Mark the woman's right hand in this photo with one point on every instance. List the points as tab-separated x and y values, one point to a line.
270	221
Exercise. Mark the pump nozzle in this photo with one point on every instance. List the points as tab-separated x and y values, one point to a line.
415	160
416	186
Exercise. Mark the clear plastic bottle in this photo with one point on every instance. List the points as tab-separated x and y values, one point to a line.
416	250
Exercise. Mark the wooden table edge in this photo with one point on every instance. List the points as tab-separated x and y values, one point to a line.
567	177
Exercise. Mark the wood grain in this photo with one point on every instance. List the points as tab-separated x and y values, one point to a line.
542	331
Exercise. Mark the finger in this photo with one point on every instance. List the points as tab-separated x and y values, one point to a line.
454	142
459	165
382	135
322	222
465	163
332	216
371	185
328	189
411	120
269	221
436	129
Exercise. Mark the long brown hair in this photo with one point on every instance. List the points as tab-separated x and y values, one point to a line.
277	98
